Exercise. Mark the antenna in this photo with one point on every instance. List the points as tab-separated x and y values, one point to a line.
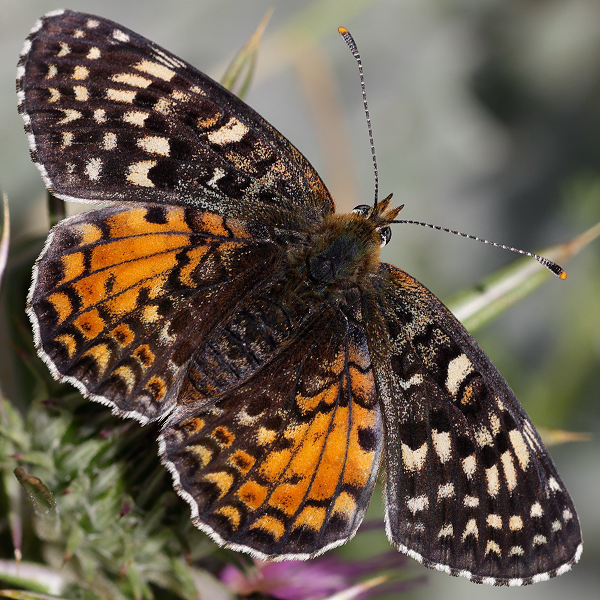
551	266
352	45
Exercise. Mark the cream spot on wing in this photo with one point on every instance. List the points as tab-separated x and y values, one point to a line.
495	424
138	174
510	473
414	380
135	117
413	460
458	369
81	93
469	466
567	515
120	36
471	502
70	115
127	96
78	34
150	314
265	436
94	53
556	525
180	96
417	503
494	521
446	531
536	510
243	418
155	69
445	491
539	539
164	335
92	168
133	80
554	485
67	139
493	547
92	23
80	73
232	131
515	523
470	529
64	49
222	480
100	115
217	174
109	142
516	551
155	145
442	445
126	375
483	437
164	106
54	95
202	452
52	72
493	481
520	447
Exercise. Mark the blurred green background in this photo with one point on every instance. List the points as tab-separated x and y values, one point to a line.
486	117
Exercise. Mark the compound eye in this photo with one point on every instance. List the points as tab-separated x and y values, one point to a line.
386	235
362	209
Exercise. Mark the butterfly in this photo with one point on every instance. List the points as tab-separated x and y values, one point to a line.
221	294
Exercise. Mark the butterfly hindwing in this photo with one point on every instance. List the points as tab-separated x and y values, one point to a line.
112	116
284	465
122	297
470	488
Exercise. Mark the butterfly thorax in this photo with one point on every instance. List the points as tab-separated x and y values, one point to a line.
342	253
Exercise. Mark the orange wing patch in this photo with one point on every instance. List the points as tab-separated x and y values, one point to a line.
119	299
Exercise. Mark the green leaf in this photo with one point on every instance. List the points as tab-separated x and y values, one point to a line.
244	63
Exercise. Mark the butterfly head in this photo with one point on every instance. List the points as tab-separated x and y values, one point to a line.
381	214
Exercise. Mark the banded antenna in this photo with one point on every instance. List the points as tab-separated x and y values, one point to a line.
352	45
550	265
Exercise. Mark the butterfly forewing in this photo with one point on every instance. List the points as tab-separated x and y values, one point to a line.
222	295
470	488
112	116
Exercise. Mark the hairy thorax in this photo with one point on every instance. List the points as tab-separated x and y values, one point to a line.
341	254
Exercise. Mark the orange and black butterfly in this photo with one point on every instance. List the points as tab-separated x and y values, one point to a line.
221	294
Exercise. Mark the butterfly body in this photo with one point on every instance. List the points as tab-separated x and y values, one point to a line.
222	295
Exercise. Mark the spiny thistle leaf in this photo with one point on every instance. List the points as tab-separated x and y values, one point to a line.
44	505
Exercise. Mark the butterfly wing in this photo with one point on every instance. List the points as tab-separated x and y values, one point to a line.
112	116
470	488
122	297
284	466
